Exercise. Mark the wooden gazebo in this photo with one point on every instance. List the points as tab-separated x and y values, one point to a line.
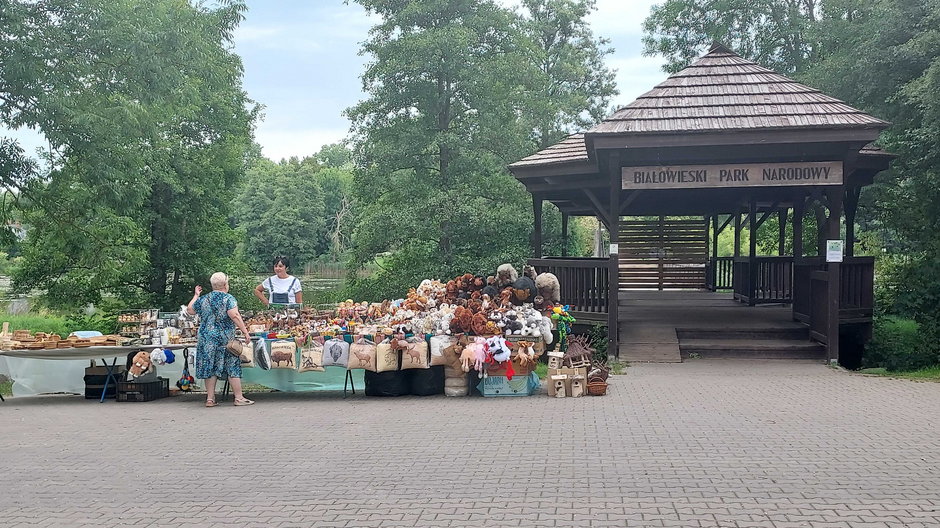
720	140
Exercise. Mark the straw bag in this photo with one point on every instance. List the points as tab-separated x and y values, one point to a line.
234	347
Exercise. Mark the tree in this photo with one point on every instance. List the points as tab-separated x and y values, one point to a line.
447	88
568	87
148	126
774	33
335	155
281	212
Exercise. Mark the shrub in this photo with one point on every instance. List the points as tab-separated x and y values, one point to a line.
598	337
899	345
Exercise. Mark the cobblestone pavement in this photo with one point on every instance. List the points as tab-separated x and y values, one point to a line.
703	443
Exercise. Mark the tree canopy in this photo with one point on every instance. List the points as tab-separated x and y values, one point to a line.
142	106
446	87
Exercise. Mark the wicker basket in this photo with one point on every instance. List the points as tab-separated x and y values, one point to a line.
597	388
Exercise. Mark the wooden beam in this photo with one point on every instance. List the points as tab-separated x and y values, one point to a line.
833	232
613	314
537	232
798	211
737	234
725	224
598	205
631	197
851	207
752	253
766	215
782	231
564	234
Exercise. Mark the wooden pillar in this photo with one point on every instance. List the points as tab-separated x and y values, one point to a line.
737	233
613	339
537	232
782	231
851	206
798	227
752	252
715	237
564	234
833	232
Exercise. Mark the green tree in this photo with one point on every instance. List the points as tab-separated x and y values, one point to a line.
775	33
281	212
447	86
334	155
148	126
568	87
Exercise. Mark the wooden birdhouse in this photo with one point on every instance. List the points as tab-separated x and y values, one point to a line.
577	386
579	354
559	382
555	360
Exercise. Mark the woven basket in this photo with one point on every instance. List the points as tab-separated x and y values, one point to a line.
597	388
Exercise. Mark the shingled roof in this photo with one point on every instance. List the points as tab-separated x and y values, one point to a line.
722	91
569	150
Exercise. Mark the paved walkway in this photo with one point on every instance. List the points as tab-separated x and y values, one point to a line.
702	443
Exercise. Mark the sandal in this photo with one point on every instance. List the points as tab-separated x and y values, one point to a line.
211	403
244	401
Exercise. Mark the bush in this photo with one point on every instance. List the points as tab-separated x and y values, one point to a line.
598	338
899	345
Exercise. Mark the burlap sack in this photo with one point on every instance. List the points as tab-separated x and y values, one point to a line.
283	354
311	356
362	355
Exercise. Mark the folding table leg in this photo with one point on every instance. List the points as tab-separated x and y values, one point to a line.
349	382
109	379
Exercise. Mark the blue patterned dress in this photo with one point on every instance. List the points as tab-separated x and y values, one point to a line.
216	329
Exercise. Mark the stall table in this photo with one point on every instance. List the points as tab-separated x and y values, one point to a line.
92	352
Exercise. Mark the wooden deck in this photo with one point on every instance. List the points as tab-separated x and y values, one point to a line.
652	321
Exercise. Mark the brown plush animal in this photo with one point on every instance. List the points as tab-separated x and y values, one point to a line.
140	365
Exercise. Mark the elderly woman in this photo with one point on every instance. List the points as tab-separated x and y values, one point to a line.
218	318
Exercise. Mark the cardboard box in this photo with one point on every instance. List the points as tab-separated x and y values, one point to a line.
570	372
517	386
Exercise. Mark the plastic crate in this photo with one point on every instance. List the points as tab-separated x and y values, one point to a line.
136	391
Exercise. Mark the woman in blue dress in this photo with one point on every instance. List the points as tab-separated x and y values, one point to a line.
218	318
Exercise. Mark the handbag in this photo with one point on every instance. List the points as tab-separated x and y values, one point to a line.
234	347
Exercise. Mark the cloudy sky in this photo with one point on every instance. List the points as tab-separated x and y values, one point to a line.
302	63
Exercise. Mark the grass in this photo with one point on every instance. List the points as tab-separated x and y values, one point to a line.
542	370
618	368
928	374
41	322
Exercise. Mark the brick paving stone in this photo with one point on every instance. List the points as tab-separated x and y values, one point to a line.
698	444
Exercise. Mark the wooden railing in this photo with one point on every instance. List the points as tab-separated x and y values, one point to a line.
857	289
719	273
585	282
810	293
770	280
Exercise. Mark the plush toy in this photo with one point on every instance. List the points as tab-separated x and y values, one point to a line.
498	348
466	356
523	291
549	288
506	275
170	356
157	357
564	321
525	353
140	365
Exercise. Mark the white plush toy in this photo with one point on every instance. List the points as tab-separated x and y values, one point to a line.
546	327
501	351
158	357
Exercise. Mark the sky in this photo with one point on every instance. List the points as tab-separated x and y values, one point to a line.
302	63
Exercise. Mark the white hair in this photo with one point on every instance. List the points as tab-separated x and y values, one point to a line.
218	280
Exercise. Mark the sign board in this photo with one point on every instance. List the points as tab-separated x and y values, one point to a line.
736	175
834	250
